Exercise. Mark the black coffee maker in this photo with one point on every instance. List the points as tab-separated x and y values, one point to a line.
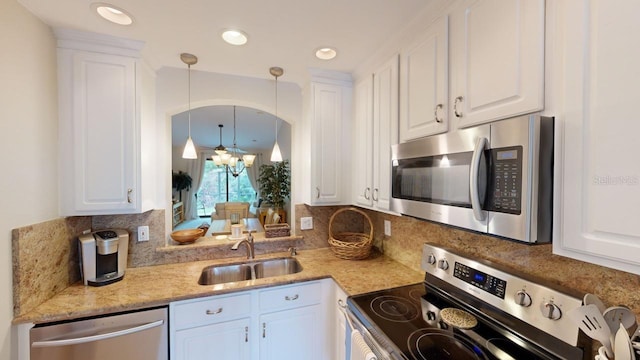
103	256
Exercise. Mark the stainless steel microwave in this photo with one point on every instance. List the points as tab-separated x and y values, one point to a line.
495	178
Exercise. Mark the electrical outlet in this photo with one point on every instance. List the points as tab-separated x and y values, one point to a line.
306	223
143	233
387	228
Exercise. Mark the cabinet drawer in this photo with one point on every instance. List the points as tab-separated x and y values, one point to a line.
288	297
210	310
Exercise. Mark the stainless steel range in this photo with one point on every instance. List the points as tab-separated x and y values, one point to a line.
469	309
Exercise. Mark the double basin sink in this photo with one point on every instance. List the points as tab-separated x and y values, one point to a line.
219	274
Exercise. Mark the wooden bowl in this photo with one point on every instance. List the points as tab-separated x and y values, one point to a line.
187	236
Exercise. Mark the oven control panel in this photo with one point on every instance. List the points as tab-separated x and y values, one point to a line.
491	284
538	305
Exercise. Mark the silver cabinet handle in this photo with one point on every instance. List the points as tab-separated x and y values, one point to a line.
317	193
455	106
129	191
246	334
375	194
92	338
366	193
214	312
478	214
435	113
264	330
292	298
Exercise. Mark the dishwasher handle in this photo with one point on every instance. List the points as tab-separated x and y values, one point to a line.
92	338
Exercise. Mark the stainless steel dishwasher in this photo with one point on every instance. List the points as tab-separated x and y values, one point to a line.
137	335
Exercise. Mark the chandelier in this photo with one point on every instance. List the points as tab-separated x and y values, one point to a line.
230	159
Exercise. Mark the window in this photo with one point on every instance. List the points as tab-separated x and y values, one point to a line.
214	188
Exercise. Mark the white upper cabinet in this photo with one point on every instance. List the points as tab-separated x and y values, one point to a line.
363	142
424	79
329	104
375	130
385	130
101	125
600	172
498	60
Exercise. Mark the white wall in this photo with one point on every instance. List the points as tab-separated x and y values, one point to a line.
214	89
28	140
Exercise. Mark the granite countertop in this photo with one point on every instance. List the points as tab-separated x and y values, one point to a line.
159	285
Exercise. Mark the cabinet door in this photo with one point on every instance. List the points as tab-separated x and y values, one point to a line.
362	158
600	167
292	334
498	52
342	330
104	130
425	84
223	341
326	147
385	130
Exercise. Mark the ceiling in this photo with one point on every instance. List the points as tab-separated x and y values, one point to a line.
255	129
281	33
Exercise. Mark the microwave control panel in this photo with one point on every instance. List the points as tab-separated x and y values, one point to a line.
505	179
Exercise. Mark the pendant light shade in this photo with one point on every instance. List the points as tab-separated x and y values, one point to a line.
189	148
276	155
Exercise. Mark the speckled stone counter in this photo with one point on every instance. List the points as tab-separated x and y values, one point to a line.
158	285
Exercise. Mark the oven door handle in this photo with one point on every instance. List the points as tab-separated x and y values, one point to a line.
478	213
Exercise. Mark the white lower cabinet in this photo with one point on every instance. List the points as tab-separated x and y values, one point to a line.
342	334
291	334
223	341
219	325
282	322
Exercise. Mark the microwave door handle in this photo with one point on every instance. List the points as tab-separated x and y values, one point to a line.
478	214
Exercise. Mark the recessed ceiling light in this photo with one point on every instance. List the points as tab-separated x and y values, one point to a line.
113	13
234	37
326	53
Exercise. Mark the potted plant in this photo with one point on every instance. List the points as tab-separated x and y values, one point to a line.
275	183
181	181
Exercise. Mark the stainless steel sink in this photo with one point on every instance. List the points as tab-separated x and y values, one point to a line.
276	267
219	274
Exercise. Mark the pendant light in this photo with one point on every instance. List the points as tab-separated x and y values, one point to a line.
189	149
276	155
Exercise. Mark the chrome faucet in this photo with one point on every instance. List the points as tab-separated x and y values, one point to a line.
248	243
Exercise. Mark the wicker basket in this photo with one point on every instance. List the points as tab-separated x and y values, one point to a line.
276	230
349	245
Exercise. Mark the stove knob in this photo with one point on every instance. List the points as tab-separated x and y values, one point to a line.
523	299
551	310
431	259
443	264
